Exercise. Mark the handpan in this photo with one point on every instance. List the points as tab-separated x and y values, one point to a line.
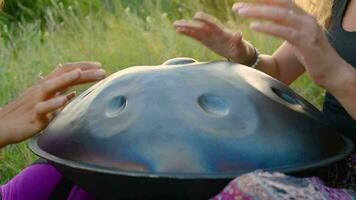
185	128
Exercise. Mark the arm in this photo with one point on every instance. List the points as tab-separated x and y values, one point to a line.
344	89
306	47
309	44
31	112
282	65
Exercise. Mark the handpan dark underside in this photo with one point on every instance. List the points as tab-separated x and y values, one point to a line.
185	127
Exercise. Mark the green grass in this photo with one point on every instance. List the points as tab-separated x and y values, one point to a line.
119	36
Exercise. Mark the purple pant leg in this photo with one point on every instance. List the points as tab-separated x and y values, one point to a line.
37	182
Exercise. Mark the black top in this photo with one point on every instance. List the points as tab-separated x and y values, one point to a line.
345	44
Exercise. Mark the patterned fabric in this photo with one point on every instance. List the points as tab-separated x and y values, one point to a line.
271	186
343	174
260	185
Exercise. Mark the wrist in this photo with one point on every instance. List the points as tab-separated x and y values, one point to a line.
340	79
247	53
254	62
251	54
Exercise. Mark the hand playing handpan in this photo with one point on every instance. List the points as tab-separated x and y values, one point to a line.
31	112
210	32
310	45
288	21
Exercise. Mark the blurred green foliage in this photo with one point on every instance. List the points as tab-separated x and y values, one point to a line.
16	11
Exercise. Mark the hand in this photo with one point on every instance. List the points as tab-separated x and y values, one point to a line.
289	22
209	31
31	112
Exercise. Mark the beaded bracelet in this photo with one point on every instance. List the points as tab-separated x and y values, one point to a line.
255	61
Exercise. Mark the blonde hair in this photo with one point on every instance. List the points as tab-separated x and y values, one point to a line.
321	9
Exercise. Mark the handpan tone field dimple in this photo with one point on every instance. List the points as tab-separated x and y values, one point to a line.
115	106
214	105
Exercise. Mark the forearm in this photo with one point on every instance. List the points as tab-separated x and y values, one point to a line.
4	128
3	137
269	65
282	65
341	83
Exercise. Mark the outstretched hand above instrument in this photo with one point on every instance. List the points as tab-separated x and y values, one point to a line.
284	19
31	112
210	31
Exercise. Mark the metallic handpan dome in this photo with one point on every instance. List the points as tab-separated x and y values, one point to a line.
187	120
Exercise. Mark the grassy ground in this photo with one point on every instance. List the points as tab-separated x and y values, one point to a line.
119	35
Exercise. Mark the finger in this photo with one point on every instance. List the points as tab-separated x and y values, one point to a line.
287	33
272	13
194	29
281	3
284	3
87	77
288	4
198	26
71	95
188	24
60	83
45	107
208	20
90	76
191	32
67	67
53	114
236	38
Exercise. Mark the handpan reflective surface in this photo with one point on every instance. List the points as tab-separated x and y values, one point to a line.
188	119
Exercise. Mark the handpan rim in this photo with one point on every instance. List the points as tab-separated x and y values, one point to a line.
33	145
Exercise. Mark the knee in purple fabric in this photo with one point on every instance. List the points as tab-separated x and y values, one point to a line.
35	182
